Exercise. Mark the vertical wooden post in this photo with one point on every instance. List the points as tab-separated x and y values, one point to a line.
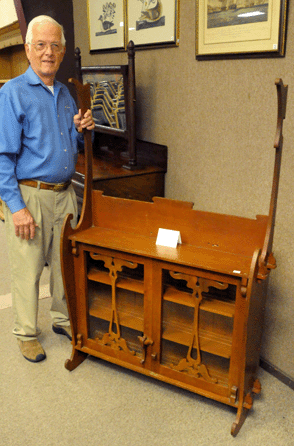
131	97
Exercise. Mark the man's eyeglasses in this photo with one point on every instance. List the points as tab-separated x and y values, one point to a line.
40	47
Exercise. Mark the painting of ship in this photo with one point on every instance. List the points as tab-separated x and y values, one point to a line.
151	10
236	12
229	4
151	15
226	5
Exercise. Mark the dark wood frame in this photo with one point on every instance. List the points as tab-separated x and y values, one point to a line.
128	73
21	18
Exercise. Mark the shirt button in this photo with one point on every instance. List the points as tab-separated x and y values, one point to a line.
65	150
61	133
65	167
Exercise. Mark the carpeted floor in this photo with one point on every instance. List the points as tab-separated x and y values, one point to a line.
100	404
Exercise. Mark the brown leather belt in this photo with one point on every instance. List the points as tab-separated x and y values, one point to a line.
59	187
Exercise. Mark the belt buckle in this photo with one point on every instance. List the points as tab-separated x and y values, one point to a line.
58	187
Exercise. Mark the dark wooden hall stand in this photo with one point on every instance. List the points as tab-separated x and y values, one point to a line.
109	174
191	316
123	166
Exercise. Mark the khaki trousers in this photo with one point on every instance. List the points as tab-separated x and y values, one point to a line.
28	257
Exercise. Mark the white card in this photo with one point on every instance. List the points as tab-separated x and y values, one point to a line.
167	237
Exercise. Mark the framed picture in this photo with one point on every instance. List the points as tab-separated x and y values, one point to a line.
240	28
8	13
153	22
106	22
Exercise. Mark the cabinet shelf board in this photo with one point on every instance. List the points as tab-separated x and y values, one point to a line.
211	305
209	342
131	317
127	283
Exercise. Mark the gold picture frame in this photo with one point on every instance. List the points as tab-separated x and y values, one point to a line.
9	14
240	28
106	25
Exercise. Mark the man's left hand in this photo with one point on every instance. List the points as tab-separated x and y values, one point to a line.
85	122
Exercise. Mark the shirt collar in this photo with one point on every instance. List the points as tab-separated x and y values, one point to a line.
33	79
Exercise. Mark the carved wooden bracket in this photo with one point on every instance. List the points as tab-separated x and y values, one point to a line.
234	393
145	341
79	340
244	284
264	269
75	248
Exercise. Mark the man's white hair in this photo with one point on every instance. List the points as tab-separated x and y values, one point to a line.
43	19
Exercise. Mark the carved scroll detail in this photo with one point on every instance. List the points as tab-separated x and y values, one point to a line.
113	338
198	285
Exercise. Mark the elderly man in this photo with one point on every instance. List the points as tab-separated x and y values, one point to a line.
39	125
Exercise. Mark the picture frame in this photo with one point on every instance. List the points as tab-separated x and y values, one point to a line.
106	24
8	13
240	28
153	22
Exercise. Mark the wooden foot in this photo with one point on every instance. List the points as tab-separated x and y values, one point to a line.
256	386
76	359
241	417
244	407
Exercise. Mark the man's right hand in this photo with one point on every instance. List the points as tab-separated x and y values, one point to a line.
24	224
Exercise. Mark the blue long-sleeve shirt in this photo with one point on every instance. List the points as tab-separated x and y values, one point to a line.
38	139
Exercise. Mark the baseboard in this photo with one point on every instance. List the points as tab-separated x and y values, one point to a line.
281	376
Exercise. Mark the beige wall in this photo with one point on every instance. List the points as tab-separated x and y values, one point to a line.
218	120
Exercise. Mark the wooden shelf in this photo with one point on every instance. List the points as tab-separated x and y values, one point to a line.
220	345
124	282
130	315
211	305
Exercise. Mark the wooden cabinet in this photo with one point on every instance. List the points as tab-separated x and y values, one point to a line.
158	316
192	315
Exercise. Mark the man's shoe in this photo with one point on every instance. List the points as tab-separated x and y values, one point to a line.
32	350
63	330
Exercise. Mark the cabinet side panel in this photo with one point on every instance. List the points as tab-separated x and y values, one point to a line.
254	331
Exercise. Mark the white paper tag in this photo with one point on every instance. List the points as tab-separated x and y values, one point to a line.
167	237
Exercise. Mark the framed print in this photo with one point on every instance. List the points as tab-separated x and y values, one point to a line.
8	13
153	22
106	22
240	28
